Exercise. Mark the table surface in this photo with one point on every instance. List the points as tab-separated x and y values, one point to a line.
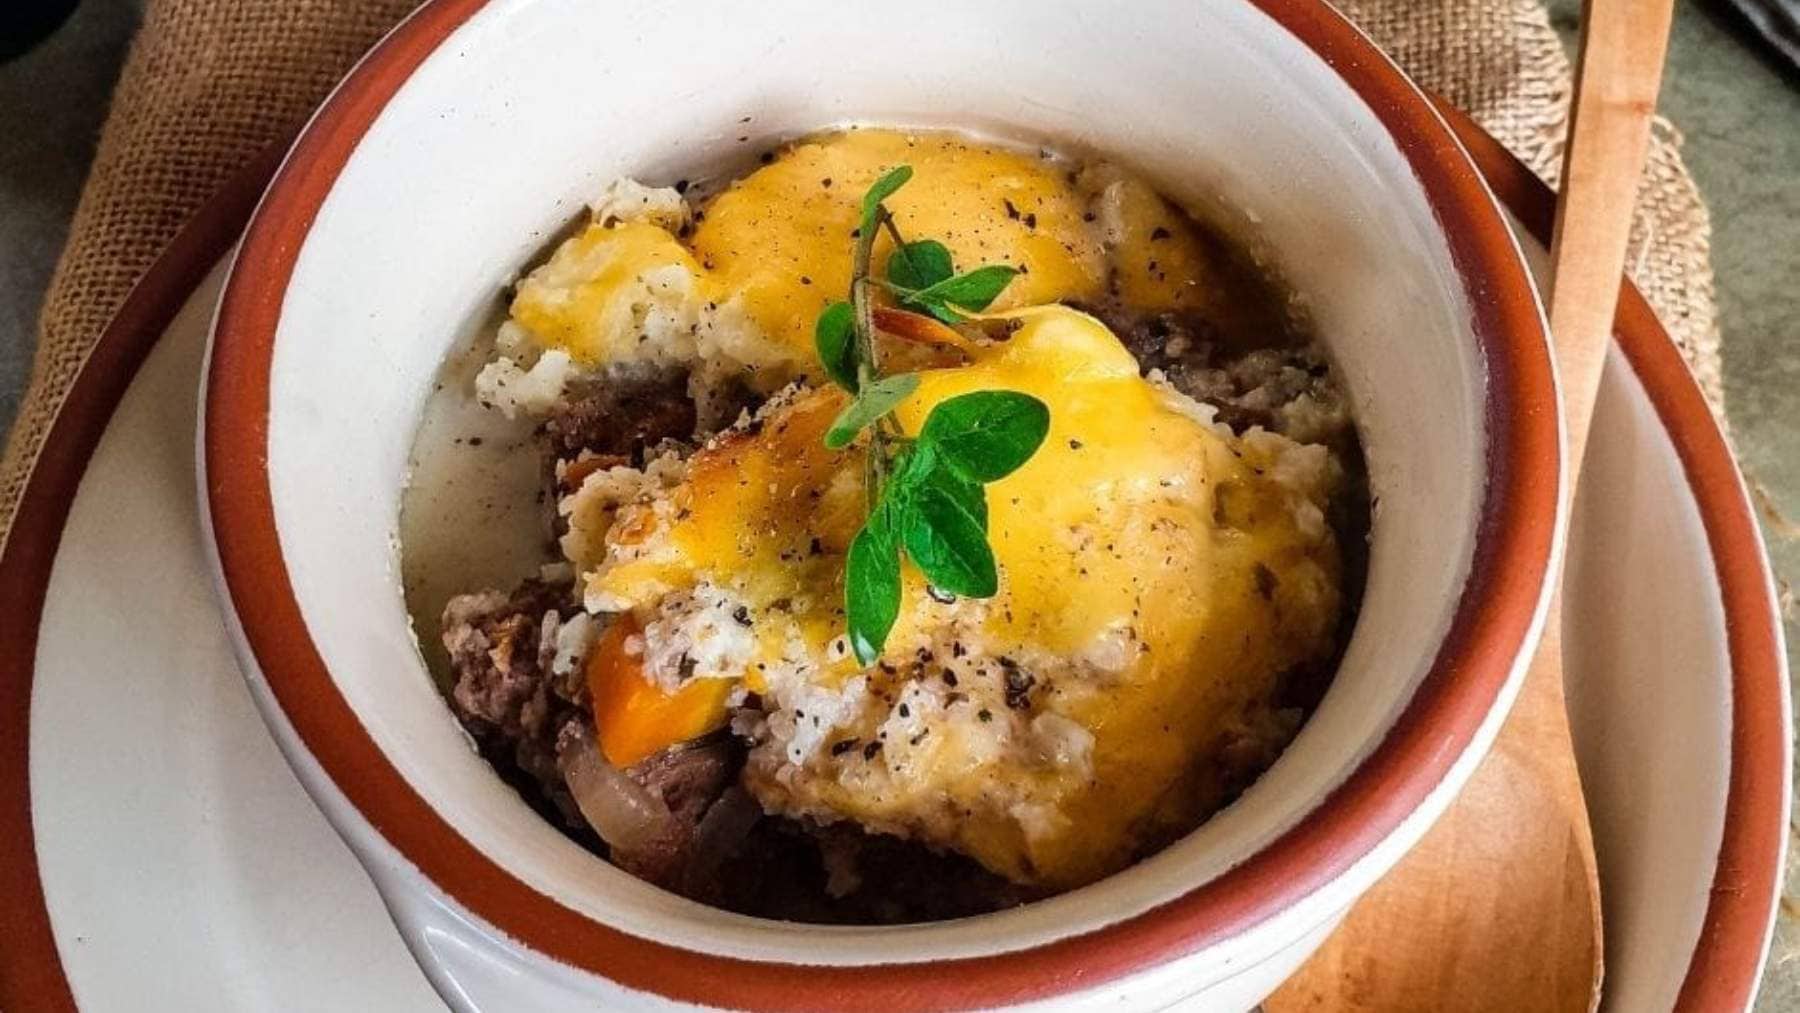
1736	105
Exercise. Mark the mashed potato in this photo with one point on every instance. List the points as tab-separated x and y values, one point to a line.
1158	574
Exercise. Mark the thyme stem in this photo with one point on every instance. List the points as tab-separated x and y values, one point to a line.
868	367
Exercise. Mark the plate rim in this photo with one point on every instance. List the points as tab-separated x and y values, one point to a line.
31	971
1729	954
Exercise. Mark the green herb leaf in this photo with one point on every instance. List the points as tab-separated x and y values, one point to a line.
871	403
920	264
922	465
947	542
966	494
972	290
834	336
883	188
872	586
987	434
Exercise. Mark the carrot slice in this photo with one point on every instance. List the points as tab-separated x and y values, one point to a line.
634	716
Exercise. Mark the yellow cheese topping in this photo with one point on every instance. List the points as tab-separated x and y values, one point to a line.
794	219
1156	576
768	253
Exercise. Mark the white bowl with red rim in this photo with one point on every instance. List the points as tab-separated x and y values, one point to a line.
478	128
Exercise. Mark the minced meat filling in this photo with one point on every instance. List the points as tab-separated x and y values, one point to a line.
797	870
522	711
507	693
621	418
1287	390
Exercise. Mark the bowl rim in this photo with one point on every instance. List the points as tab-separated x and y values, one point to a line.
1495	617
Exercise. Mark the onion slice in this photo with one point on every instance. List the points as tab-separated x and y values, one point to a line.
625	815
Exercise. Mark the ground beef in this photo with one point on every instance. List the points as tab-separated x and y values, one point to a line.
506	692
1249	387
620	416
523	715
795	870
688	778
1163	340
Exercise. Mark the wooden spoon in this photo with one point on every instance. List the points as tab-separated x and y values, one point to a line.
1499	906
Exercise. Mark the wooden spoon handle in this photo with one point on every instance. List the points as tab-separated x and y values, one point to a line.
1623	43
1617	77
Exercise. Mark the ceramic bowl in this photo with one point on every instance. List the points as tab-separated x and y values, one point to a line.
478	129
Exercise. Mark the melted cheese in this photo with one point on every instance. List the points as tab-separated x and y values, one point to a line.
772	250
794	219
1156	576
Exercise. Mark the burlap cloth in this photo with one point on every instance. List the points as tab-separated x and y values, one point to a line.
209	84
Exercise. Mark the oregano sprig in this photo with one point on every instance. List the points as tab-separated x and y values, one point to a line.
926	493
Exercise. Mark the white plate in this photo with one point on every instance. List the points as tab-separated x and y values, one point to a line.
182	866
185	867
